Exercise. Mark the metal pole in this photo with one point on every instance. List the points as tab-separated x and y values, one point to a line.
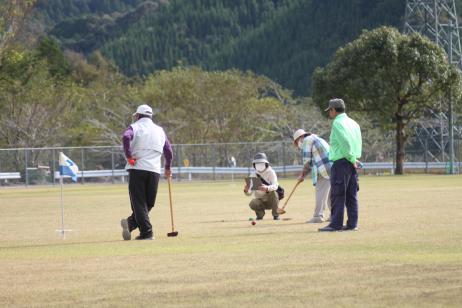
62	207
83	165
178	154
112	164
458	155
26	162
214	161
442	136
249	159
53	166
451	116
426	155
284	159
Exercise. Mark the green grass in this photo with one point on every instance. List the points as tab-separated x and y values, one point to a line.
407	253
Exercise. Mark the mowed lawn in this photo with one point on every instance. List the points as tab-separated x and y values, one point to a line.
407	253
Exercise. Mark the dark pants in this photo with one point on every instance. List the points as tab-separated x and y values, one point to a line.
344	193
142	187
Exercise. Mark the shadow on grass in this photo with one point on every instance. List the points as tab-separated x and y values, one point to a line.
266	225
252	234
58	244
234	220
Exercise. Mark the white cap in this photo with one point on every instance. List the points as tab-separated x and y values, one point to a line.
144	110
298	133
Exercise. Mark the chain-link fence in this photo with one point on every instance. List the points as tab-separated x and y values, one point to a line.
31	166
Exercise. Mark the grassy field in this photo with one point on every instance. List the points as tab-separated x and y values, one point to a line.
407	253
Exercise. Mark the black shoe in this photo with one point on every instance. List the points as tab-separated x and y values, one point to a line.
346	228
328	229
259	218
275	217
139	237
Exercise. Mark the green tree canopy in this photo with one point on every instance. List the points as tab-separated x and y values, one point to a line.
393	77
197	106
35	108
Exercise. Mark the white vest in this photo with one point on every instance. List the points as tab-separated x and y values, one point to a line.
147	145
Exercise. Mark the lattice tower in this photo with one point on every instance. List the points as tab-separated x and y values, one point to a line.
437	19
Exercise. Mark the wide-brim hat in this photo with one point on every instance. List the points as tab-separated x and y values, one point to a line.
298	133
260	158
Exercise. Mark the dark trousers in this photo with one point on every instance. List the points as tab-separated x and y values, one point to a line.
142	187
344	193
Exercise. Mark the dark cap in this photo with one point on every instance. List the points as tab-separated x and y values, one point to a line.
336	103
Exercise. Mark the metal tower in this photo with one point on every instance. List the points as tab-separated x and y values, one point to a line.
437	19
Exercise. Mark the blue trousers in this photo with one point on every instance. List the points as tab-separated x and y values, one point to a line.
344	193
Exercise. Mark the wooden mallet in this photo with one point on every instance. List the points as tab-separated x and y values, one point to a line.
282	210
173	233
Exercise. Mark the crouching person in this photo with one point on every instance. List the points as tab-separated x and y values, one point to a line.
266	196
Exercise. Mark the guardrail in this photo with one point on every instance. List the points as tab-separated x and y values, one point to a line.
247	170
187	172
10	175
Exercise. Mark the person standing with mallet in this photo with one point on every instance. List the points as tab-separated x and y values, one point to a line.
315	155
345	150
144	143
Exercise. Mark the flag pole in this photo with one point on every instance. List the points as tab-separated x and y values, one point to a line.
64	169
62	208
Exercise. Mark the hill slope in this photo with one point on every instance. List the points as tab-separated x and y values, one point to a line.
282	39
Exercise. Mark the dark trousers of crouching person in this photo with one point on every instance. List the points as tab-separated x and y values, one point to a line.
344	193
269	201
142	187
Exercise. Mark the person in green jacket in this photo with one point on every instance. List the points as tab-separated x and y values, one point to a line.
345	150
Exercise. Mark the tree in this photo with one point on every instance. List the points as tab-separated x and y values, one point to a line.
34	107
393	77
197	106
108	100
12	14
50	50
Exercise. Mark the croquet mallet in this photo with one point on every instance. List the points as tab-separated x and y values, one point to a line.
282	210
173	233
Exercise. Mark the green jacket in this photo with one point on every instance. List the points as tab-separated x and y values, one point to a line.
345	139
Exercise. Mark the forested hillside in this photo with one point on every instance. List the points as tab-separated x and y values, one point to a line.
282	39
55	11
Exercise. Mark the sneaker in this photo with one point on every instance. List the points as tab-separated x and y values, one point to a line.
315	220
139	237
276	218
125	230
328	229
346	228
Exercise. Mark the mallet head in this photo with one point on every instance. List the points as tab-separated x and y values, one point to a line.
172	234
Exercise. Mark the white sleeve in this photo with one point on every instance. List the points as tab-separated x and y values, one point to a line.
273	179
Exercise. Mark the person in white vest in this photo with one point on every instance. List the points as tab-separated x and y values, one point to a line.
144	143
